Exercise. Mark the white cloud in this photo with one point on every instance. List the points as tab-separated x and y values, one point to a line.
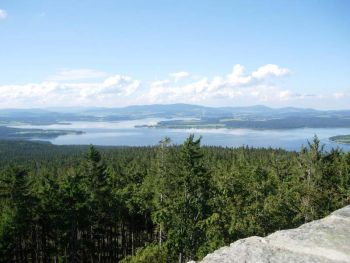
284	94
77	74
233	86
179	75
236	88
270	70
237	76
119	85
113	91
118	90
3	14
160	82
339	95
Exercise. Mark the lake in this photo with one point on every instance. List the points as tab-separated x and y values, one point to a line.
124	133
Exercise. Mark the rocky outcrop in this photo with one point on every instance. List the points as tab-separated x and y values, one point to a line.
321	241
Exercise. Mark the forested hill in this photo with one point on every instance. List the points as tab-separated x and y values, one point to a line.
157	204
232	116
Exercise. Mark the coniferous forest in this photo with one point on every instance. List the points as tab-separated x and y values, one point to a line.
167	203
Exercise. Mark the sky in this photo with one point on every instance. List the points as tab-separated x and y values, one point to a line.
109	53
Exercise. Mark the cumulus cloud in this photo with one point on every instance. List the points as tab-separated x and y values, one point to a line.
270	70
77	74
119	85
179	75
86	87
237	77
234	85
112	91
3	14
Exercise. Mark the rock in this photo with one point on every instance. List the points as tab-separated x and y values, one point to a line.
320	241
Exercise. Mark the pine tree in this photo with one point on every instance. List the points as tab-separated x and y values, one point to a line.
189	206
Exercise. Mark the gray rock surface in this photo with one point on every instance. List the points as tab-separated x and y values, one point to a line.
320	241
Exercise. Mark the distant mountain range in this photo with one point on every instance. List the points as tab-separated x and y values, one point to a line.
252	116
189	110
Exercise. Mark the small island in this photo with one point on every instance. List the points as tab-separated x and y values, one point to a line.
345	139
257	123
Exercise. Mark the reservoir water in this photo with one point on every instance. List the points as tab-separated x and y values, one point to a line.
125	133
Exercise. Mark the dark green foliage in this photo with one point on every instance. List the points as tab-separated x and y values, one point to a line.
188	206
157	204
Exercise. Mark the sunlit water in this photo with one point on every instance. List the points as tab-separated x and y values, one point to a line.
124	133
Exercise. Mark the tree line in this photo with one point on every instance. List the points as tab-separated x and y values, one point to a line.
167	203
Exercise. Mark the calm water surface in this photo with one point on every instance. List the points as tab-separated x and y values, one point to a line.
124	133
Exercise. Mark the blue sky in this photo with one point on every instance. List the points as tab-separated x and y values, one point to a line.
117	53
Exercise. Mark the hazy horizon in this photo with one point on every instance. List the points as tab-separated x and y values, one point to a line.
170	104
